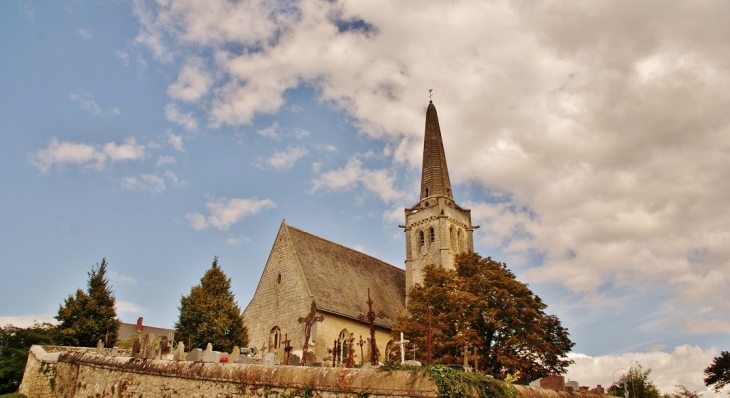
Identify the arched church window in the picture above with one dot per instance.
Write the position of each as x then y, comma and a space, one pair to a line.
275, 337
432, 234
460, 237
426, 192
421, 238
343, 346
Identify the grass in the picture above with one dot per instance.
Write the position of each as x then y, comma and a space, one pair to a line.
12, 395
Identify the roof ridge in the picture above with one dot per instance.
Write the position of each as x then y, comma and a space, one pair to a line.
343, 246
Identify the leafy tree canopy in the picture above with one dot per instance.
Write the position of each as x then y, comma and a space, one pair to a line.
681, 391
210, 314
637, 383
480, 304
88, 316
14, 345
718, 374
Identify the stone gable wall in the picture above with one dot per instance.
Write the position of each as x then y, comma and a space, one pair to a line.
278, 303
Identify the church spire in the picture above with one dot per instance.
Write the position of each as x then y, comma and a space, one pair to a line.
434, 175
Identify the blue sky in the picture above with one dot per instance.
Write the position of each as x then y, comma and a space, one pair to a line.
590, 142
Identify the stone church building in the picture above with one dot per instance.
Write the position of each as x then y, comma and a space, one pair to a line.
303, 268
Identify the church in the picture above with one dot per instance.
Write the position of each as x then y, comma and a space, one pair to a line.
316, 290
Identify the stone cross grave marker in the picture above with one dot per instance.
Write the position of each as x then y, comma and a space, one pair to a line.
402, 344
370, 317
308, 321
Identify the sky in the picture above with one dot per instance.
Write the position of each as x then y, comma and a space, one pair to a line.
588, 138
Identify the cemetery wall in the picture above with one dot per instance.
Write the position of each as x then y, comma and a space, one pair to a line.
88, 374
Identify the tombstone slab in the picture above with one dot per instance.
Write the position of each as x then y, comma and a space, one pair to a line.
100, 347
179, 354
212, 356
246, 360
269, 359
410, 362
233, 356
294, 360
137, 348
150, 347
195, 355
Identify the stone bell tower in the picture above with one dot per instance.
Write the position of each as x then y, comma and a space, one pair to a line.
437, 229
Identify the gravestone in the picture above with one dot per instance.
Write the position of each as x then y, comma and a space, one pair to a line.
233, 356
211, 356
150, 347
114, 352
270, 358
100, 347
137, 348
294, 359
195, 355
246, 360
164, 346
179, 354
411, 362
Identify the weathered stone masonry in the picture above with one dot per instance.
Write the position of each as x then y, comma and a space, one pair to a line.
87, 374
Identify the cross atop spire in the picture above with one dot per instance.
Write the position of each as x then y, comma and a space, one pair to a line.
434, 175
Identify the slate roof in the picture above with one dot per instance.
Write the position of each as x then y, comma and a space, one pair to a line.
434, 174
338, 277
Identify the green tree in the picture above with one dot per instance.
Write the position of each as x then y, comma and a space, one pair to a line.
210, 314
480, 304
681, 391
14, 345
718, 374
88, 316
637, 382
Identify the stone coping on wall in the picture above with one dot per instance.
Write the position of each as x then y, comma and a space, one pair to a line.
334, 380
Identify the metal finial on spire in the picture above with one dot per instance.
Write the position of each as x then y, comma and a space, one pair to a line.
430, 94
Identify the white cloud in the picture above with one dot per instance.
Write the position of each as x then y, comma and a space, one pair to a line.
145, 182
603, 139
380, 182
184, 119
163, 160
27, 320
226, 212
270, 132
87, 103
237, 240
174, 180
684, 365
192, 83
175, 141
85, 33
86, 155
115, 276
123, 56
152, 183
126, 307
284, 160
